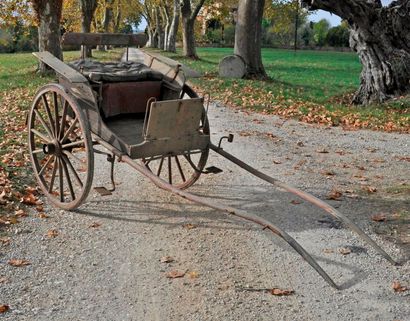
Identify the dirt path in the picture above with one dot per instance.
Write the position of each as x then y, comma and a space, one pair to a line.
112, 271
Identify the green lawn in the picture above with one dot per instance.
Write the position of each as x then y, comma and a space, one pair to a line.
313, 86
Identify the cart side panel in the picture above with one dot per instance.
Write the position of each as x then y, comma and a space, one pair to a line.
60, 67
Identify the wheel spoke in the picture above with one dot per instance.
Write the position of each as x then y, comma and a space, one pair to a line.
42, 121
40, 173
70, 165
69, 130
38, 151
160, 166
180, 169
47, 107
63, 120
68, 153
53, 175
42, 136
67, 176
74, 144
169, 170
61, 180
57, 125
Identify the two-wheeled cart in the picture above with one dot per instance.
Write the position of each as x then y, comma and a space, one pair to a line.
143, 114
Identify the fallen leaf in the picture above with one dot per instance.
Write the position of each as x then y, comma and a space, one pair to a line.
280, 292
29, 199
2, 196
43, 215
175, 274
52, 233
189, 226
95, 225
379, 217
300, 144
4, 308
328, 173
344, 251
40, 208
295, 202
5, 240
397, 287
20, 213
322, 151
370, 189
193, 275
18, 262
335, 195
167, 259
244, 134
3, 280
328, 251
277, 162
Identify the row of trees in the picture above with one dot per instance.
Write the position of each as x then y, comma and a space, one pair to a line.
379, 34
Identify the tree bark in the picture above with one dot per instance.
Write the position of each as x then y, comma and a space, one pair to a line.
173, 30
248, 35
88, 8
188, 27
48, 14
381, 37
159, 28
165, 17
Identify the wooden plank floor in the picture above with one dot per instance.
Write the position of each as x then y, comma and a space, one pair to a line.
127, 127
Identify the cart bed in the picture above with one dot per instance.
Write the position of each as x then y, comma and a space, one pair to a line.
127, 127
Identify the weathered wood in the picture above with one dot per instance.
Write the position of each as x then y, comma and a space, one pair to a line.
95, 39
60, 67
232, 66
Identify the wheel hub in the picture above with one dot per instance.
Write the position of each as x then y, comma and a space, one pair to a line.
53, 148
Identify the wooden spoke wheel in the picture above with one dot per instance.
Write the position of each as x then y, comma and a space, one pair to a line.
181, 171
60, 147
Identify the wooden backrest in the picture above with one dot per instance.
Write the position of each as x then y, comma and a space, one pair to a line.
95, 39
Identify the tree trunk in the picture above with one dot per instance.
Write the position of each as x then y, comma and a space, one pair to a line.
108, 14
188, 38
173, 30
88, 8
48, 14
248, 34
159, 30
165, 18
381, 37
188, 27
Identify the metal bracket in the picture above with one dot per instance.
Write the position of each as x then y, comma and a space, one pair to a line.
229, 138
110, 158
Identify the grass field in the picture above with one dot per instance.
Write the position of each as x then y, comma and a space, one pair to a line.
312, 86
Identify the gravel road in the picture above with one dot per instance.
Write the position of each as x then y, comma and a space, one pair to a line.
105, 262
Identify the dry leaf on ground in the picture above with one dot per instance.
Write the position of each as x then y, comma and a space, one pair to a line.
4, 308
167, 259
295, 202
397, 287
370, 189
52, 233
5, 240
328, 251
335, 195
43, 215
95, 225
280, 292
345, 251
322, 151
189, 226
193, 274
379, 217
18, 262
29, 199
175, 274
20, 213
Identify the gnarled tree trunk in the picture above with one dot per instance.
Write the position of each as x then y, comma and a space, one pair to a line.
188, 26
88, 8
381, 37
248, 35
48, 14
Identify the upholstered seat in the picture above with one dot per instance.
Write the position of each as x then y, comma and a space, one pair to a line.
115, 71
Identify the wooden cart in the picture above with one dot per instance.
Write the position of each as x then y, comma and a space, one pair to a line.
143, 114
